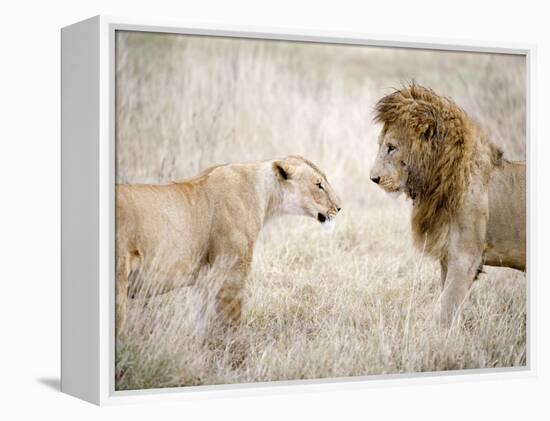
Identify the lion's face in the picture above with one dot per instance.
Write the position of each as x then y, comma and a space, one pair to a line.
390, 168
305, 190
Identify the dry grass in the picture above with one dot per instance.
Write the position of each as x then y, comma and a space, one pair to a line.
356, 302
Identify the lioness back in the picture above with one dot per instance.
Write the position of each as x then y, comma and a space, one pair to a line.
152, 220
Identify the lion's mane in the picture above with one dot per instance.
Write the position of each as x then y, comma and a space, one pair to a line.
446, 148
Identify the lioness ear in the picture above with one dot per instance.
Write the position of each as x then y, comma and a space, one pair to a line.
283, 169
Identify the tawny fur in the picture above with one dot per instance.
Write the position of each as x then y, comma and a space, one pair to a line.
468, 201
216, 217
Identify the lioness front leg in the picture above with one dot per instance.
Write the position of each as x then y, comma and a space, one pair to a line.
121, 297
229, 297
443, 273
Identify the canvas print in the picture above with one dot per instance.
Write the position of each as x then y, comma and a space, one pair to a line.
299, 210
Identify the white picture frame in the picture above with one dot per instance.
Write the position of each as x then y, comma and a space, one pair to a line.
88, 179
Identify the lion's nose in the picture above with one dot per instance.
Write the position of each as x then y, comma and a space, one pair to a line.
338, 209
375, 179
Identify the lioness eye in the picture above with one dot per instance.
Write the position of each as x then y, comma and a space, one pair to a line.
391, 148
320, 186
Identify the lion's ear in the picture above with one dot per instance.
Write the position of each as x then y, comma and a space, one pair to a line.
425, 120
283, 169
429, 131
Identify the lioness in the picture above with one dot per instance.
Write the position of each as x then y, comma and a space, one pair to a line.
468, 201
217, 216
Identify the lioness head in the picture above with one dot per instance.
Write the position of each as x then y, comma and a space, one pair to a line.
305, 190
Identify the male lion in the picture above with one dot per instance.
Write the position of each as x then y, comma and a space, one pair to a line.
212, 218
468, 201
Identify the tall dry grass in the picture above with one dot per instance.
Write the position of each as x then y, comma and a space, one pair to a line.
353, 303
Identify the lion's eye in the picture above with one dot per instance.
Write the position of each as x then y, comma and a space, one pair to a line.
320, 186
391, 148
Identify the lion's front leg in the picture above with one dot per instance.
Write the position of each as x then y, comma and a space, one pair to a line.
463, 259
461, 273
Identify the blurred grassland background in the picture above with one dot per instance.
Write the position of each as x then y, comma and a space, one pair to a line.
353, 303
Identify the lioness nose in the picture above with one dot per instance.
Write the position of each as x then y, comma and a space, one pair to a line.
375, 179
338, 209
